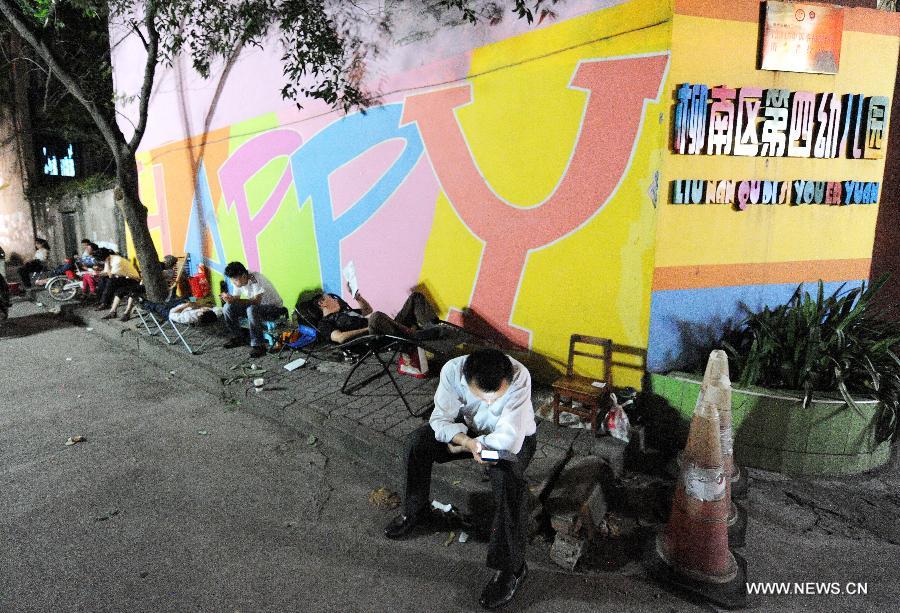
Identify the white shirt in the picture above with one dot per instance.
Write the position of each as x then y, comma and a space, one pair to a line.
501, 425
259, 285
41, 254
187, 313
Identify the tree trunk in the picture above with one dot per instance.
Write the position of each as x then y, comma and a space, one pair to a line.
135, 213
22, 111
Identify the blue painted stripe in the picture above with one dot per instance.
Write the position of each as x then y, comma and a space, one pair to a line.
685, 318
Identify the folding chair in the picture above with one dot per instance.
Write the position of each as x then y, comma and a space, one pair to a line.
155, 319
188, 333
155, 316
359, 351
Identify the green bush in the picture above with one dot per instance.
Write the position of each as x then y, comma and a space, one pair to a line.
840, 343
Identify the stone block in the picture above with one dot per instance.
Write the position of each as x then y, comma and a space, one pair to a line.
566, 550
595, 507
565, 523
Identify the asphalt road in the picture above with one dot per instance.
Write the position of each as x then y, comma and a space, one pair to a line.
177, 503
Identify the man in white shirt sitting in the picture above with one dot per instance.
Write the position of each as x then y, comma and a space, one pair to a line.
483, 403
256, 300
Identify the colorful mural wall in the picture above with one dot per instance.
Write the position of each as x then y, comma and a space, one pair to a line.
820, 134
528, 183
520, 196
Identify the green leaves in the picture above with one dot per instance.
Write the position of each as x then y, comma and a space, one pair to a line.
815, 343
474, 11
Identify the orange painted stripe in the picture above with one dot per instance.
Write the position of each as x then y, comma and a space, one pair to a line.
725, 275
734, 10
869, 21
872, 22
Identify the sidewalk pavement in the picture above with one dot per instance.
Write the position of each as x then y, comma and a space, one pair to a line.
370, 424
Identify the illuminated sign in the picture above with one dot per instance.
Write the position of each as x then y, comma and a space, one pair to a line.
800, 37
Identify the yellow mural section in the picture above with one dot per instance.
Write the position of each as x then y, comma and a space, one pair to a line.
717, 234
521, 128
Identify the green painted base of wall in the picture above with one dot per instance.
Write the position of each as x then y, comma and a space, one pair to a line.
774, 432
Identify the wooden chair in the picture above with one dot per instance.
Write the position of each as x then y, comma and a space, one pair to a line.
579, 389
181, 271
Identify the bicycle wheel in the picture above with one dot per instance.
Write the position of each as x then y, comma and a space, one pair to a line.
62, 288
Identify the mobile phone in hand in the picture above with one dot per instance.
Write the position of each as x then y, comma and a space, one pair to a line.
489, 455
492, 455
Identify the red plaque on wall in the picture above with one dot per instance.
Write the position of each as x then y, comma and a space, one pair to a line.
802, 37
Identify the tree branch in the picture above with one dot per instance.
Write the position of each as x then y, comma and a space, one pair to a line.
10, 60
47, 88
110, 132
152, 44
137, 30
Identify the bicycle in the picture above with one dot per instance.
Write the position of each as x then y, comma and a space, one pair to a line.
62, 289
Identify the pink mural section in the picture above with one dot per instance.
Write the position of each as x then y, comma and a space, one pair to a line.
389, 249
600, 158
243, 164
351, 181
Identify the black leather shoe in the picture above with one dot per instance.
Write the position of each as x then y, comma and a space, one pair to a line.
233, 342
402, 525
502, 587
257, 352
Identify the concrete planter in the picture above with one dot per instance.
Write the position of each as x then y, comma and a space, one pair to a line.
774, 432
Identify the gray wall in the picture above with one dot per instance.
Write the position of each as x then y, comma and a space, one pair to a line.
96, 218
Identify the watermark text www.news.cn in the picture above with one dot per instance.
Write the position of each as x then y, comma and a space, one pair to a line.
808, 588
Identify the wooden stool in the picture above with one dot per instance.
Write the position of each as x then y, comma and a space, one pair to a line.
577, 388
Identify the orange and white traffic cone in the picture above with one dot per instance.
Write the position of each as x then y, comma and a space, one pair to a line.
719, 395
716, 371
692, 551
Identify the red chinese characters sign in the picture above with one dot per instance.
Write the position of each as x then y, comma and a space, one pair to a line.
801, 37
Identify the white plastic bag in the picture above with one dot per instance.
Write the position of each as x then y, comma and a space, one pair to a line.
616, 422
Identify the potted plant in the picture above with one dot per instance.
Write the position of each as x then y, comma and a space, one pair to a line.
816, 383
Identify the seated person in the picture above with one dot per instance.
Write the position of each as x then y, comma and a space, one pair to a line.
38, 264
67, 268
167, 272
87, 259
255, 299
194, 313
483, 403
341, 323
122, 280
91, 283
168, 268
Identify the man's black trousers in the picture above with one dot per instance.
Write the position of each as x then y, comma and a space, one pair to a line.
509, 531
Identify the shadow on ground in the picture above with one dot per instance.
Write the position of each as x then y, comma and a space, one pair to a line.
37, 323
